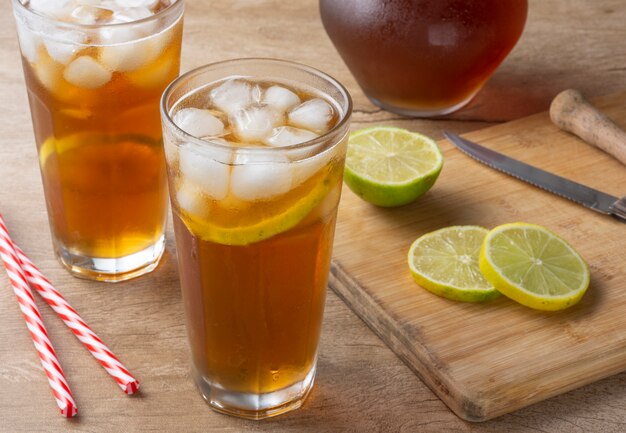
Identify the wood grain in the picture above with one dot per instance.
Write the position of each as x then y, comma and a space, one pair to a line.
484, 360
362, 386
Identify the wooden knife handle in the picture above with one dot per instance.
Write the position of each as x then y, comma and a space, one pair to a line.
571, 112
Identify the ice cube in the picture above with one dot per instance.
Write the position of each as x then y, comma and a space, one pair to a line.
127, 57
149, 4
48, 73
198, 122
280, 98
88, 15
29, 43
327, 207
314, 114
260, 180
288, 136
112, 35
126, 50
61, 52
52, 8
307, 167
128, 15
87, 73
156, 74
206, 168
62, 45
257, 94
160, 41
131, 15
255, 123
190, 199
231, 96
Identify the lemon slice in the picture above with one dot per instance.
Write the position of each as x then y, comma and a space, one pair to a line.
63, 145
51, 146
445, 262
259, 224
533, 266
389, 166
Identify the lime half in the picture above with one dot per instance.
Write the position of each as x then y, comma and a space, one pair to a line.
533, 266
445, 262
390, 166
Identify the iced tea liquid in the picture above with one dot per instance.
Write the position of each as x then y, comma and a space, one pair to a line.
95, 108
254, 218
255, 311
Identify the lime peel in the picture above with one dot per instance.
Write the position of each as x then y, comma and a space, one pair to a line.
261, 230
533, 261
389, 166
452, 251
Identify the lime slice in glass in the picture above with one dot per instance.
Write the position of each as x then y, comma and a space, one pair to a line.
243, 223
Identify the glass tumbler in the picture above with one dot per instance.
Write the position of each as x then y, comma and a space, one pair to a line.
254, 229
94, 86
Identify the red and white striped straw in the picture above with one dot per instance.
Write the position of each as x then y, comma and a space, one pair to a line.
38, 333
83, 332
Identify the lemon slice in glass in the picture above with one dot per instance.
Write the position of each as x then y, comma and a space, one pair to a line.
533, 266
445, 262
243, 223
389, 166
60, 146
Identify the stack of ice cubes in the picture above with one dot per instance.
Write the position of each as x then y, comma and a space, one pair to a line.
90, 12
124, 48
239, 114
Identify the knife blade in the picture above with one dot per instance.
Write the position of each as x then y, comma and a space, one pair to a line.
581, 194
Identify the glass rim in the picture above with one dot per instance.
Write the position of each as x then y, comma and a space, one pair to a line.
176, 6
345, 116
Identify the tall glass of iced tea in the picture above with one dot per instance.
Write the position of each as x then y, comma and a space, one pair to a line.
255, 151
423, 57
95, 71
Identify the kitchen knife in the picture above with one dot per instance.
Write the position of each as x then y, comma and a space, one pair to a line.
588, 197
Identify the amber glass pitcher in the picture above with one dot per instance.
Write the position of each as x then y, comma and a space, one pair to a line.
423, 57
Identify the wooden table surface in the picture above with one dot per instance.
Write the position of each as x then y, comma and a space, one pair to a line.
361, 385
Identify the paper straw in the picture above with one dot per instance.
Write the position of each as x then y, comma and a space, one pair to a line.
34, 323
83, 332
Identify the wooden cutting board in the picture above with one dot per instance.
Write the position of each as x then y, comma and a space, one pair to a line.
484, 360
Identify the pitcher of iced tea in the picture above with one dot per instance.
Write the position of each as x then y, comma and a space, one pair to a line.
423, 57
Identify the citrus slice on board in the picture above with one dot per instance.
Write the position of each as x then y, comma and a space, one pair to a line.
445, 262
533, 266
390, 166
